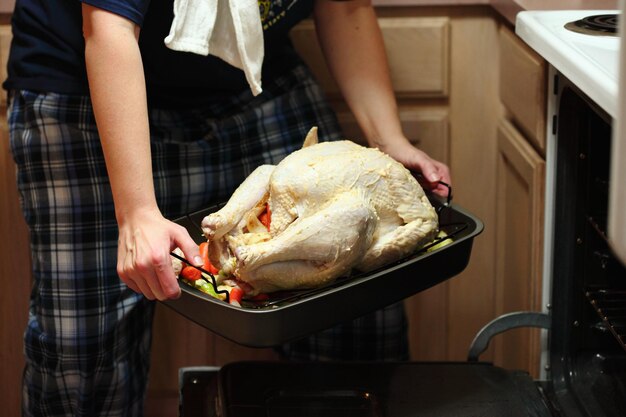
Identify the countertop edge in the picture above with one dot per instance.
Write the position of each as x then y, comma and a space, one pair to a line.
507, 9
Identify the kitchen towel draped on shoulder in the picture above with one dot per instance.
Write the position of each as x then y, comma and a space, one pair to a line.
228, 29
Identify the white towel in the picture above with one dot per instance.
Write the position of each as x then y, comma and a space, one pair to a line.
228, 29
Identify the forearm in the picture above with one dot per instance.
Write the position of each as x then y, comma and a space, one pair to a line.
350, 38
352, 44
118, 97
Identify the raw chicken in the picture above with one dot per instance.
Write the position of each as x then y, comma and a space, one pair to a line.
334, 206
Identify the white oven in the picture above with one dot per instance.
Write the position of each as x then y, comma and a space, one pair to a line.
617, 207
582, 48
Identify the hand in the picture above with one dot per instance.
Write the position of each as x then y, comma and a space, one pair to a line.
143, 257
416, 160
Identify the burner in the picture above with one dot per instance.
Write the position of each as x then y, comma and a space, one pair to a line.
600, 25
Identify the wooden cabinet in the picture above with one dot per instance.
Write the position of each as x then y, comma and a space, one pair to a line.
520, 199
426, 128
15, 277
415, 45
418, 50
444, 70
6, 6
523, 87
518, 256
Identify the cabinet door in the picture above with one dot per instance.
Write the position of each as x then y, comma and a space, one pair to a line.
425, 127
427, 312
15, 275
523, 86
519, 245
414, 45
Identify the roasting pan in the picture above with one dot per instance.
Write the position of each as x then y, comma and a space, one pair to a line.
286, 316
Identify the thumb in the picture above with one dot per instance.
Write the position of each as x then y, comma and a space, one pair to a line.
188, 246
430, 172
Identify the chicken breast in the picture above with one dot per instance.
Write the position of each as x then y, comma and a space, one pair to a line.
334, 206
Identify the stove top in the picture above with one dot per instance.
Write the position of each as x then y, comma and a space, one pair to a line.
563, 39
596, 25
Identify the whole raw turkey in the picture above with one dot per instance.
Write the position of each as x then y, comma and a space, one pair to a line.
334, 206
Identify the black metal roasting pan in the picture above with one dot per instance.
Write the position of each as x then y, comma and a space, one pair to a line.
290, 315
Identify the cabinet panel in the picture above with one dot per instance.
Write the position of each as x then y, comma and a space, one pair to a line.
519, 243
417, 49
427, 129
5, 44
6, 6
475, 110
15, 282
523, 87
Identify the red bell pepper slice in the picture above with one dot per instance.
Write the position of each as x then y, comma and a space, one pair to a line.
266, 217
236, 294
206, 263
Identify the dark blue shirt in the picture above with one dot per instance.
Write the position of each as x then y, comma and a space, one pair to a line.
47, 50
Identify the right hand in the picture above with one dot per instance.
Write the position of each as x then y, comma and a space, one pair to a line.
143, 258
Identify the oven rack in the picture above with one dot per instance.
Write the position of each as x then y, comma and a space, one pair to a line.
611, 307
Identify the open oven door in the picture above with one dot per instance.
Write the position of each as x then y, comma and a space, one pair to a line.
353, 389
617, 194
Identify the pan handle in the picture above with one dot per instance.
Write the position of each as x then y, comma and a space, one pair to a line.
447, 199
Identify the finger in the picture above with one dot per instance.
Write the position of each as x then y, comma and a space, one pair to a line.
426, 185
131, 284
147, 266
187, 245
144, 288
167, 282
133, 278
430, 172
444, 172
441, 191
139, 287
163, 276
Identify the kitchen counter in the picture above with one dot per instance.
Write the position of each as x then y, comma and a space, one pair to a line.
508, 4
509, 8
590, 62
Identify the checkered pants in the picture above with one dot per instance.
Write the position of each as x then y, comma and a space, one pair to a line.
88, 336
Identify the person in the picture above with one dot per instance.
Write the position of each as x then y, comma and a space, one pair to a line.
114, 135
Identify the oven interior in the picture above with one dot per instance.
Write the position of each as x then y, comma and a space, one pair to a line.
588, 333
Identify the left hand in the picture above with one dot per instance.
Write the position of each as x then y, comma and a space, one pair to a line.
417, 160
362, 75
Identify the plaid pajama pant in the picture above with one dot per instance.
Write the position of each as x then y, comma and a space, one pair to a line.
88, 336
